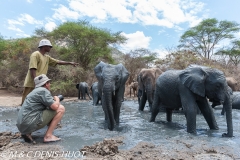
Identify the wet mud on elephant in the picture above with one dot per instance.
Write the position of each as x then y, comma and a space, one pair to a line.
232, 83
111, 85
190, 89
146, 84
133, 88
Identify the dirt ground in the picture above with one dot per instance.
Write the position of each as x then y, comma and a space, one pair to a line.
107, 149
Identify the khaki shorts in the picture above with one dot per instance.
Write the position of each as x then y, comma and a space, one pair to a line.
47, 116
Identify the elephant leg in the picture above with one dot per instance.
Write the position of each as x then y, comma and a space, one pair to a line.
139, 96
191, 116
143, 101
117, 102
79, 92
223, 111
95, 99
109, 117
89, 95
104, 109
169, 115
208, 113
155, 108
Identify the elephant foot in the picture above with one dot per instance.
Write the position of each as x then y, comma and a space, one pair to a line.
227, 135
192, 132
152, 119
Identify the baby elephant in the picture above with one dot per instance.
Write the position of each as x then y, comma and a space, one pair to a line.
95, 94
235, 98
83, 90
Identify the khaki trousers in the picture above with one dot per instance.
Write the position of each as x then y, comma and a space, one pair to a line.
26, 91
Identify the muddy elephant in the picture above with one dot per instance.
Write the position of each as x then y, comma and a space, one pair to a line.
146, 84
232, 83
190, 89
95, 94
134, 88
83, 89
111, 85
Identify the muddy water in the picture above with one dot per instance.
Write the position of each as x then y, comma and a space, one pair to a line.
83, 124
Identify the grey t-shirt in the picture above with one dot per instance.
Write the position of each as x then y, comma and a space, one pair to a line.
30, 114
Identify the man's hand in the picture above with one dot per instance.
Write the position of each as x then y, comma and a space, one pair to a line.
74, 64
56, 104
56, 98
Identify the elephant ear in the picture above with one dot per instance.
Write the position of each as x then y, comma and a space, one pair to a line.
124, 73
194, 79
98, 70
157, 73
139, 80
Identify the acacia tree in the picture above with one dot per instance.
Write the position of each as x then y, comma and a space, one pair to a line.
233, 52
178, 60
137, 59
2, 47
203, 38
85, 44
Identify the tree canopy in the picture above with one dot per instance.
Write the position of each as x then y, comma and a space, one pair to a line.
137, 59
84, 43
203, 38
233, 52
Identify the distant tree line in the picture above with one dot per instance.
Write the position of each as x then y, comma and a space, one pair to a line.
87, 45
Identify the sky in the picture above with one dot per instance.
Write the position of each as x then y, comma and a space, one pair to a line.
156, 25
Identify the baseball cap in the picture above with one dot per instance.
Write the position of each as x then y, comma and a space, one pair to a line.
41, 80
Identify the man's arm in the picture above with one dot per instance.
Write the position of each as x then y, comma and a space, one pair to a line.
33, 72
67, 63
56, 104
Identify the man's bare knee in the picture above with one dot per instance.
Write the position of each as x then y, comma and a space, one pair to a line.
61, 108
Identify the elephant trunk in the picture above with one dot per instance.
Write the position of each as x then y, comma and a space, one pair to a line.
149, 91
227, 105
107, 104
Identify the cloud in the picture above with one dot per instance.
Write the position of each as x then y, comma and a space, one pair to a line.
161, 53
14, 28
168, 13
135, 40
50, 26
103, 10
22, 21
63, 13
29, 1
29, 19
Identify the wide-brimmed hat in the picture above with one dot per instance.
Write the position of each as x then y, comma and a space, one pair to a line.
41, 80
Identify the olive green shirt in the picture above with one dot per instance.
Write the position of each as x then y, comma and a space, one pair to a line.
31, 113
40, 63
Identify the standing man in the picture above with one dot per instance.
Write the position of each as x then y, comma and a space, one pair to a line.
39, 109
39, 62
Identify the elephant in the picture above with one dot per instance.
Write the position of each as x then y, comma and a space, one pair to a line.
134, 88
232, 83
111, 85
83, 89
95, 94
190, 88
146, 84
235, 98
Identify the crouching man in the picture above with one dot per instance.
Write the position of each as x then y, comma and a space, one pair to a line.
39, 109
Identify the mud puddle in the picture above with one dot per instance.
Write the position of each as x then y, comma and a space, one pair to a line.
83, 125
